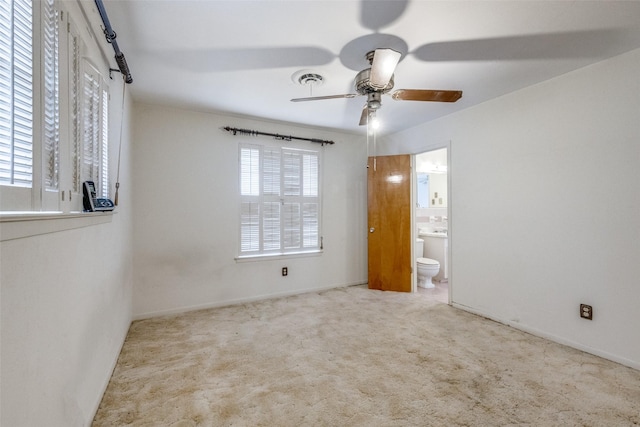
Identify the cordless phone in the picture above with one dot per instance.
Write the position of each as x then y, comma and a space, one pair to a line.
91, 203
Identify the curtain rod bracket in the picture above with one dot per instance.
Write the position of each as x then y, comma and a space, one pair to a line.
110, 35
111, 70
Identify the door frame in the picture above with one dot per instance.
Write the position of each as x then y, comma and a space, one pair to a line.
414, 198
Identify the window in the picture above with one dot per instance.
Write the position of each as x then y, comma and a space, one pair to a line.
16, 93
53, 108
279, 200
95, 138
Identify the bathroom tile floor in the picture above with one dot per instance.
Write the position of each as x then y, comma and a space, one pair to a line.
440, 293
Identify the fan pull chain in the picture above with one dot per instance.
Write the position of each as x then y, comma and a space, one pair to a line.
367, 141
374, 151
371, 134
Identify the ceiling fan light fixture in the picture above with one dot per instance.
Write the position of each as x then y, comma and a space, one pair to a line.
383, 64
372, 122
375, 123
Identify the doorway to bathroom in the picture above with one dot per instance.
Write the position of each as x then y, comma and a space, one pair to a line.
431, 221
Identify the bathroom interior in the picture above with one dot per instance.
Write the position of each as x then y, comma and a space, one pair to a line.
431, 222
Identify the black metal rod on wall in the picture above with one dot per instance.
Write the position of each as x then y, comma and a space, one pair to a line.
235, 131
111, 38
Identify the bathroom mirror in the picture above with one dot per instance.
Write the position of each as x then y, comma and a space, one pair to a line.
431, 184
423, 190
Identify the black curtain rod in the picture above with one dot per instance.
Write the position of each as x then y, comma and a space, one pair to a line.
236, 131
110, 35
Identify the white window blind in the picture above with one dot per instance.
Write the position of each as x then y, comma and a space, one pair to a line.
91, 123
104, 146
51, 98
75, 108
280, 200
16, 93
95, 137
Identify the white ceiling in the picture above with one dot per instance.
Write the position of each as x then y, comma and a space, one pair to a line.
238, 57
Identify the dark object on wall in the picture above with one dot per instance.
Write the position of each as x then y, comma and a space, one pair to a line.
111, 38
236, 131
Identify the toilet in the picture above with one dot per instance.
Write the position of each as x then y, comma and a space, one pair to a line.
426, 267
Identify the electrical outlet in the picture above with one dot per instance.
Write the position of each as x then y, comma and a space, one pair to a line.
285, 271
586, 311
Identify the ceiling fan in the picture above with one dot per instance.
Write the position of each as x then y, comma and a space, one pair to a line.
378, 80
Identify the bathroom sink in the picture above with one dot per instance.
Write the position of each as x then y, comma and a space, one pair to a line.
429, 230
440, 234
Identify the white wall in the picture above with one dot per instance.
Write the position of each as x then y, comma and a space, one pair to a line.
186, 227
65, 311
546, 204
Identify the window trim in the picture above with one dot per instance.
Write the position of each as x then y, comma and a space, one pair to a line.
277, 257
19, 225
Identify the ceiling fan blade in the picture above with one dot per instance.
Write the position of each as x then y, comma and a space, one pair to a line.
382, 67
318, 98
364, 117
560, 45
427, 95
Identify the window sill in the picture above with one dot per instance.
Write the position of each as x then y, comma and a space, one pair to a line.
18, 225
276, 257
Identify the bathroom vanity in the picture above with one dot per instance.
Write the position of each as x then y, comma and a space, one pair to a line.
436, 246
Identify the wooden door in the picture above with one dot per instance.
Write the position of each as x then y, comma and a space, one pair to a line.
389, 214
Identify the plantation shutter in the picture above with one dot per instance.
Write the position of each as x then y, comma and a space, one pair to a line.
250, 202
301, 219
75, 104
51, 87
16, 93
271, 204
280, 200
90, 125
310, 207
292, 187
104, 146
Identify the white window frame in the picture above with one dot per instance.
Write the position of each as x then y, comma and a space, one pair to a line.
260, 194
58, 59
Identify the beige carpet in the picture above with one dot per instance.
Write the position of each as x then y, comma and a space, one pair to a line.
355, 357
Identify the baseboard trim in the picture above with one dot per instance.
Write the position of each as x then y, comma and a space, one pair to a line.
106, 381
551, 337
237, 301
